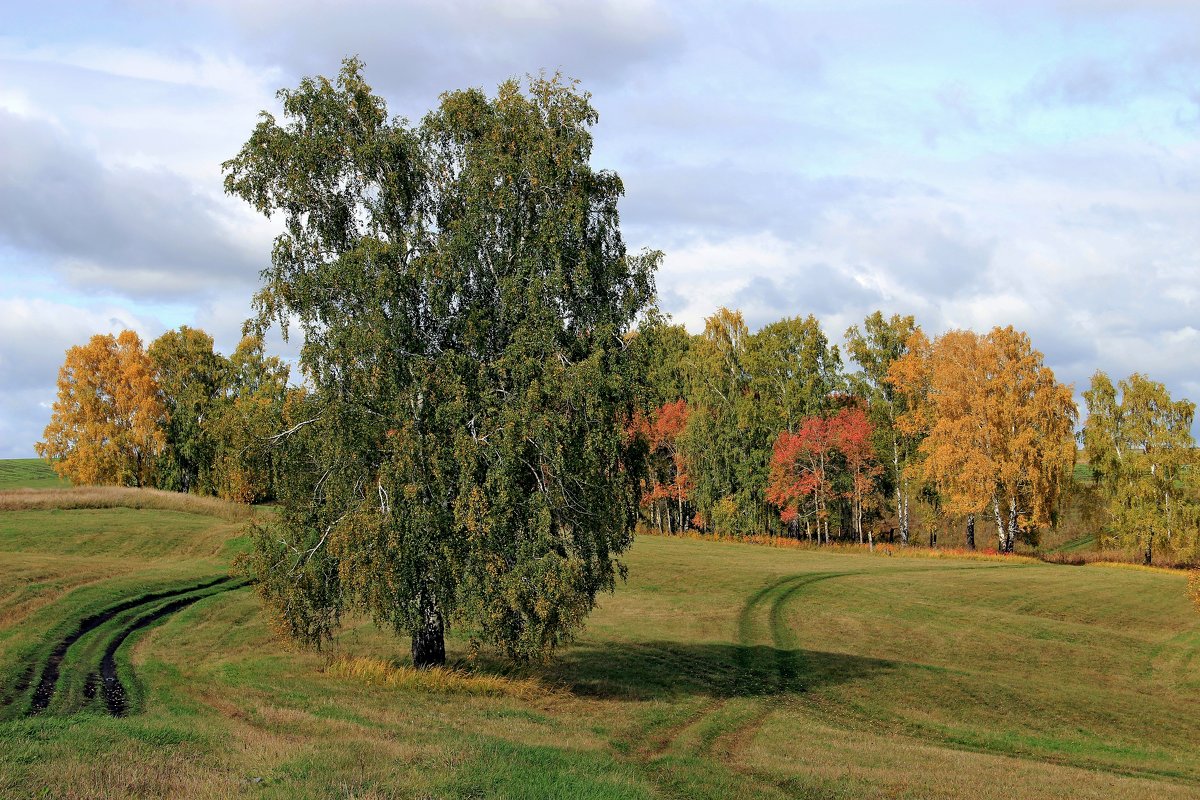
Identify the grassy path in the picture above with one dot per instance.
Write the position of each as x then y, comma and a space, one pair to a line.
82, 666
713, 732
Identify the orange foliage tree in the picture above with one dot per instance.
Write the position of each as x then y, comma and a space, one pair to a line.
106, 424
998, 425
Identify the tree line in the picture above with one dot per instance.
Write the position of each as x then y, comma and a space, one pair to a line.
772, 432
741, 433
177, 415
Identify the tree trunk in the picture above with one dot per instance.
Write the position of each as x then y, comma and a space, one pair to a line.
999, 524
901, 496
1012, 525
429, 640
858, 515
1148, 555
970, 531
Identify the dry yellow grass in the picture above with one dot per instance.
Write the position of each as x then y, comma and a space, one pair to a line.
120, 497
445, 680
1140, 567
1118, 559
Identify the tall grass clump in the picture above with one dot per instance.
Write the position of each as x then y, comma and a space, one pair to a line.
439, 680
1115, 557
878, 549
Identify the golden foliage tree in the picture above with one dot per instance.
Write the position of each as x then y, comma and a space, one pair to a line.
106, 425
999, 426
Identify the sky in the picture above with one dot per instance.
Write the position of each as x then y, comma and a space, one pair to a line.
973, 164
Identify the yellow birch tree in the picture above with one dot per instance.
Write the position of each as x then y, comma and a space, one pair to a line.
106, 424
999, 426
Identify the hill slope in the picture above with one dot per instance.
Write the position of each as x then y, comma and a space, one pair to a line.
31, 473
720, 670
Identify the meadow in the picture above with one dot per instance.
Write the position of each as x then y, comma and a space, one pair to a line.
30, 473
718, 670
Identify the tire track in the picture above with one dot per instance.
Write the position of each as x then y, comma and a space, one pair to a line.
788, 661
50, 672
760, 674
710, 736
115, 694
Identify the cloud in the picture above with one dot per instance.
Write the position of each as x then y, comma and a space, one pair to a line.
1086, 82
1090, 247
417, 49
1167, 70
35, 334
719, 199
24, 414
141, 232
765, 276
1018, 163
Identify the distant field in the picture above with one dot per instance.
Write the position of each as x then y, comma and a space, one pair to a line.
32, 473
719, 670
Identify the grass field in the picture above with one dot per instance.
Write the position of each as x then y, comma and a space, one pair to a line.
720, 670
32, 473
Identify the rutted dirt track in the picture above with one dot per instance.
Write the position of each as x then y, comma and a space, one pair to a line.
128, 617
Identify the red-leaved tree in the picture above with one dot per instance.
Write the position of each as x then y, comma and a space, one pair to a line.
665, 490
853, 438
826, 459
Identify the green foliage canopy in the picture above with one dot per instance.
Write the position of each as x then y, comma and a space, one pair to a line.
464, 293
190, 376
1143, 457
880, 343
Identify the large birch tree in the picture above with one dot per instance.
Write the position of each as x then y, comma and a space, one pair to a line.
464, 292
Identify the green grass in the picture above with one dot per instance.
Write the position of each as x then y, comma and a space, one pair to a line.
720, 670
1083, 543
29, 473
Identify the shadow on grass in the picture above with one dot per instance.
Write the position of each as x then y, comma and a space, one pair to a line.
662, 670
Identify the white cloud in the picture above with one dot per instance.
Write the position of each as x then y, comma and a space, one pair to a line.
138, 232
